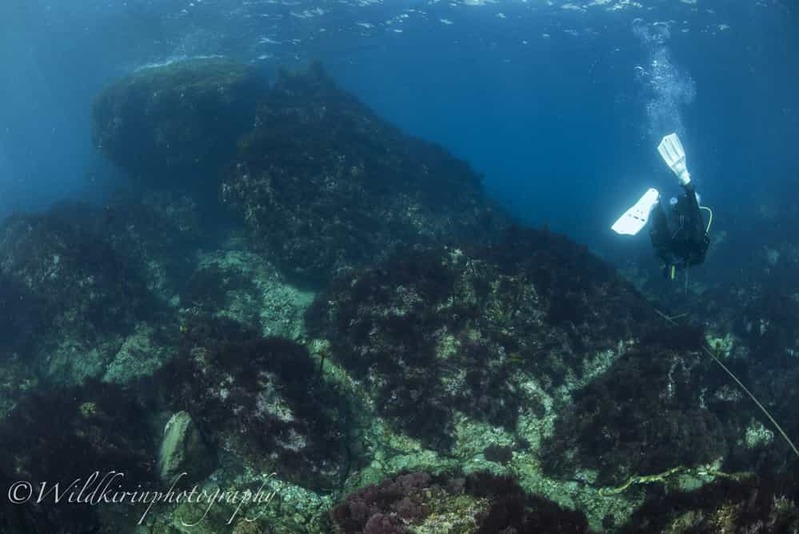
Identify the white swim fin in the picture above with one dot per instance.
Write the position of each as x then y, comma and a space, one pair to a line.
637, 216
673, 154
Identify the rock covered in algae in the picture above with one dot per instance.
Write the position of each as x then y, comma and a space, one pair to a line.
177, 124
260, 400
652, 410
87, 439
184, 452
324, 183
63, 261
83, 287
447, 331
477, 503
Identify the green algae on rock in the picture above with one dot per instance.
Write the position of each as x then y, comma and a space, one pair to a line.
325, 184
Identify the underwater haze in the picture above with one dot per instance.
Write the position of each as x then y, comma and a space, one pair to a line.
396, 266
558, 104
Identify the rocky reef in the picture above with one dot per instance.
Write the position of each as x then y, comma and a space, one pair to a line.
448, 331
91, 286
323, 325
325, 184
646, 414
480, 503
56, 444
176, 125
748, 305
758, 505
321, 181
261, 400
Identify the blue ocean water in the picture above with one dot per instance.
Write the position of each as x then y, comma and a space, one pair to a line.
558, 104
529, 355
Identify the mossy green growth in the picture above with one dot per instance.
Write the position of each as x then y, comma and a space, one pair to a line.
191, 76
15, 379
758, 435
722, 346
140, 355
253, 293
72, 361
452, 513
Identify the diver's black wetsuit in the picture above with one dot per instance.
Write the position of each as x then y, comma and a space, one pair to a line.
681, 239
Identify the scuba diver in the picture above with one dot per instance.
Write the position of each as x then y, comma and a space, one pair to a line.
679, 234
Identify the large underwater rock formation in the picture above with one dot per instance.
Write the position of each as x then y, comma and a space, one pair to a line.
647, 414
176, 125
451, 375
451, 330
322, 182
72, 270
325, 184
490, 332
84, 285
